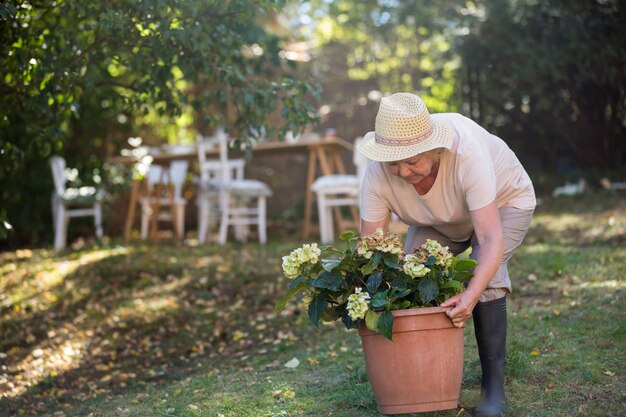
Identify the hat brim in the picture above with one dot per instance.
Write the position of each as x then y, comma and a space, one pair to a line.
442, 136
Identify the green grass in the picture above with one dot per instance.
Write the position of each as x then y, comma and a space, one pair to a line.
150, 330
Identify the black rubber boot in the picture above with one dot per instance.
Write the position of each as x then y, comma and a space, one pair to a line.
490, 330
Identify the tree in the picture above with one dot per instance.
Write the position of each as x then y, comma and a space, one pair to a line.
80, 71
549, 76
365, 49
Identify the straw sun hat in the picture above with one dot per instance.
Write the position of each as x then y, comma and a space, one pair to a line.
404, 129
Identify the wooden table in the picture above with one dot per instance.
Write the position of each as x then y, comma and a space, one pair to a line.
324, 153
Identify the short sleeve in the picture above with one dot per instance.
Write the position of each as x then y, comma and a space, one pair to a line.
478, 178
372, 206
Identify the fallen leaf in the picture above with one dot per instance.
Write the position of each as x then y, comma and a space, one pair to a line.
281, 394
238, 335
313, 361
294, 363
609, 373
535, 352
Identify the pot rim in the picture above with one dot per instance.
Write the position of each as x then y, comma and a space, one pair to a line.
417, 311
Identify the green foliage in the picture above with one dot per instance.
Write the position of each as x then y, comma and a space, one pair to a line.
551, 71
370, 279
75, 75
368, 48
546, 76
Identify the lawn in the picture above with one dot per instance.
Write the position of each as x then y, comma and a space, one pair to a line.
159, 330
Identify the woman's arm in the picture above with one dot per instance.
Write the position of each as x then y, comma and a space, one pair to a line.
488, 231
367, 228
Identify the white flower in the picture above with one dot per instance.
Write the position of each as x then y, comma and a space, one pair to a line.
364, 251
293, 264
290, 268
307, 298
357, 304
414, 268
441, 253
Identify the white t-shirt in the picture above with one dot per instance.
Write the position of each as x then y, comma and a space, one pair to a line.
479, 169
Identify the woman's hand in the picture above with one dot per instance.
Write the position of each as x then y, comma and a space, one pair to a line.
462, 306
488, 231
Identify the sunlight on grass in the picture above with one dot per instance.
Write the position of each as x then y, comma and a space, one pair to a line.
558, 223
604, 284
147, 309
541, 249
67, 267
44, 363
48, 274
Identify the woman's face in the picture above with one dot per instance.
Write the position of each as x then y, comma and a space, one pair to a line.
413, 170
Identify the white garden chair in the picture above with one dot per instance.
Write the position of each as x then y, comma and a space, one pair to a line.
242, 202
164, 200
336, 191
208, 200
71, 202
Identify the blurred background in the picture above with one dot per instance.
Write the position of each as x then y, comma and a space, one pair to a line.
79, 79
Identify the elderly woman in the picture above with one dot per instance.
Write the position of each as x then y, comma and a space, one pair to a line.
452, 181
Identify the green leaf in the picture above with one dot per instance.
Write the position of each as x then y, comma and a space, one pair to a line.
7, 11
380, 299
372, 264
296, 281
385, 323
398, 283
347, 321
391, 261
454, 285
330, 264
330, 314
428, 290
317, 308
347, 235
463, 276
282, 302
371, 320
465, 265
373, 282
397, 293
402, 305
328, 280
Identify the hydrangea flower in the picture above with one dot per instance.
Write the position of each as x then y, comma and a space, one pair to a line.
293, 264
307, 298
442, 255
358, 304
373, 273
414, 267
379, 242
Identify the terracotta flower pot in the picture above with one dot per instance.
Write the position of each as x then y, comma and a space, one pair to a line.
422, 368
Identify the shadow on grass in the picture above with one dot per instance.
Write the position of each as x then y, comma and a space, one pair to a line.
151, 315
129, 320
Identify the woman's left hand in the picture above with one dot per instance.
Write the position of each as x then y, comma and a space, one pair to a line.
462, 306
486, 222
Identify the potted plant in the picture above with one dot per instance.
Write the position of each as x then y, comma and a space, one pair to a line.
393, 299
